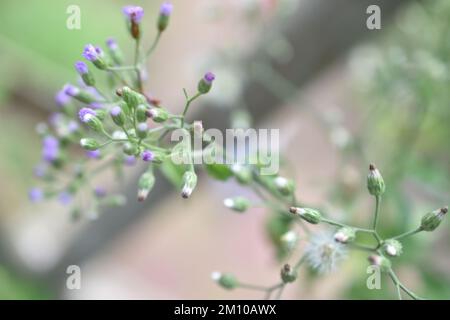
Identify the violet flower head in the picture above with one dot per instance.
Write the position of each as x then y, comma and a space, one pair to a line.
71, 90
85, 114
93, 154
115, 111
35, 195
61, 98
130, 160
65, 198
72, 126
142, 127
112, 44
133, 13
81, 67
166, 9
147, 155
96, 105
92, 53
50, 148
209, 77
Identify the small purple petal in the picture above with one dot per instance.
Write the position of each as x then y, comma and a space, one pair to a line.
142, 126
85, 113
130, 160
100, 192
147, 155
72, 126
134, 13
50, 148
93, 154
65, 198
166, 9
115, 111
209, 77
91, 53
71, 90
112, 44
61, 98
81, 67
96, 105
35, 195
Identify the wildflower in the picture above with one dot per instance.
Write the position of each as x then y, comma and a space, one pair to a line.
164, 16
284, 186
72, 126
433, 219
83, 70
189, 183
145, 185
35, 195
383, 263
89, 144
65, 198
95, 55
114, 51
205, 84
288, 274
130, 160
50, 149
158, 114
141, 113
142, 130
345, 235
238, 204
62, 99
323, 253
132, 98
311, 215
392, 248
117, 116
93, 154
85, 114
147, 155
375, 182
134, 15
71, 90
225, 280
75, 92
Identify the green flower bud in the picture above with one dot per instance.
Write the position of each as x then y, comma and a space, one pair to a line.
288, 274
392, 248
94, 123
130, 149
88, 79
243, 174
158, 114
433, 219
132, 98
117, 116
189, 184
145, 185
141, 113
238, 204
345, 235
310, 215
89, 144
380, 261
289, 240
205, 84
375, 182
142, 130
225, 280
284, 186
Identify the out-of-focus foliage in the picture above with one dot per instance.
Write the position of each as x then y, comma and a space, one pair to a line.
12, 287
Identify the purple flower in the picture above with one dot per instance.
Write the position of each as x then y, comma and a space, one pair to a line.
142, 127
130, 160
40, 170
209, 77
65, 198
96, 105
50, 148
112, 44
92, 53
35, 194
61, 98
134, 13
71, 90
93, 154
100, 192
166, 9
85, 114
72, 126
115, 111
81, 67
147, 155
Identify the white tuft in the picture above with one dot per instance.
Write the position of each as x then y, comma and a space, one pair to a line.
228, 202
323, 253
216, 275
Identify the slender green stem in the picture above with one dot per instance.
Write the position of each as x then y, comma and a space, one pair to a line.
409, 233
398, 283
377, 211
253, 287
333, 223
154, 44
136, 66
186, 107
121, 68
280, 292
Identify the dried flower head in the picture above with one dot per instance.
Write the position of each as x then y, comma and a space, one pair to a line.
323, 253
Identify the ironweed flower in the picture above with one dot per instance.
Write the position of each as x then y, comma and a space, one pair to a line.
323, 253
164, 16
93, 154
375, 182
85, 114
95, 55
62, 99
205, 84
133, 13
433, 219
50, 148
35, 195
147, 155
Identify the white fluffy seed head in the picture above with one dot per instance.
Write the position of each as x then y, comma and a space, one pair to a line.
391, 250
340, 237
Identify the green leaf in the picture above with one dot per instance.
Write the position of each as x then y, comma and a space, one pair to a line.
219, 171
